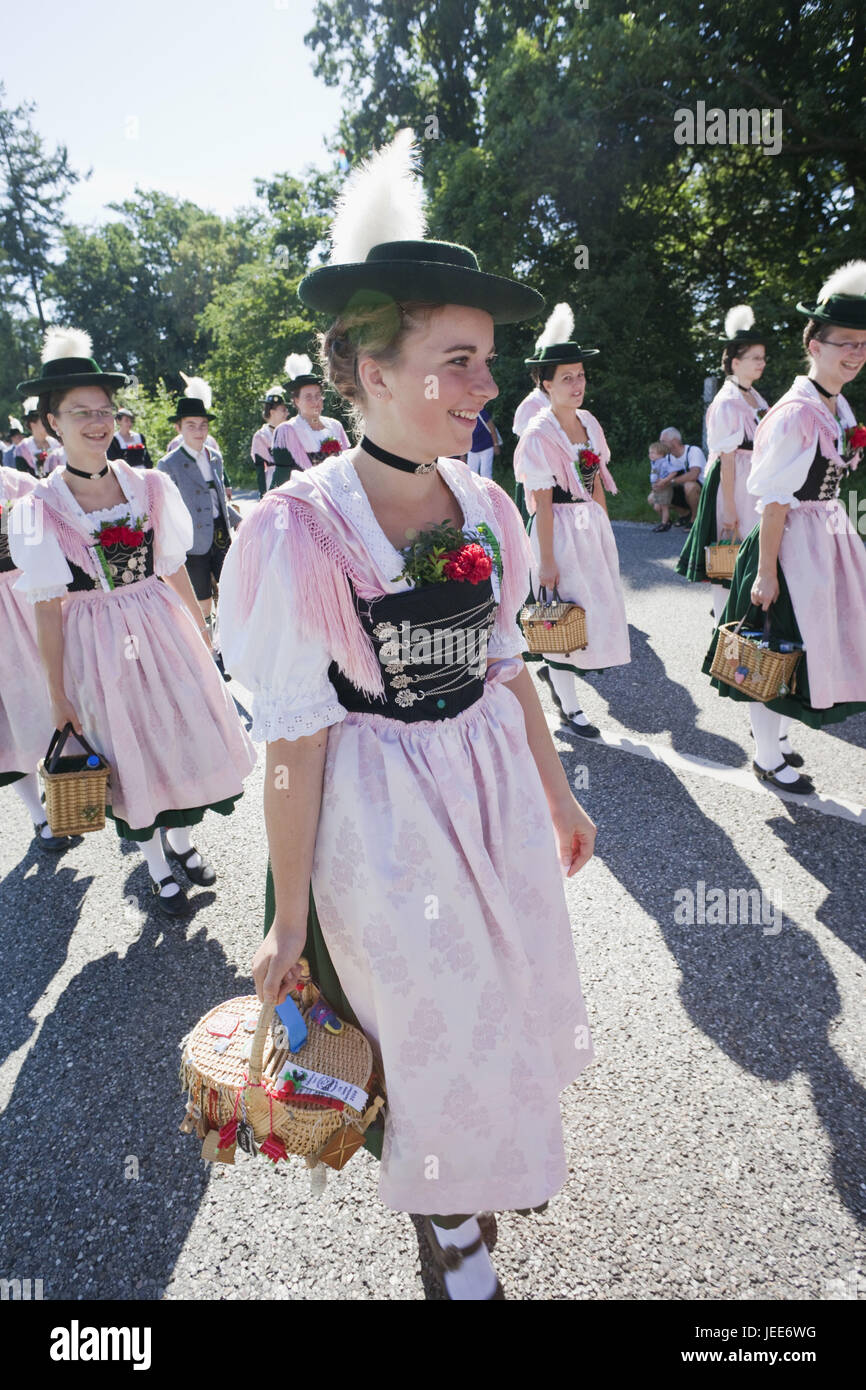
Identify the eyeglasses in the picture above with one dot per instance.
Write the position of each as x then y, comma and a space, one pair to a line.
849, 347
79, 415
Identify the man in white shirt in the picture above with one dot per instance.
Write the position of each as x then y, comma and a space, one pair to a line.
686, 464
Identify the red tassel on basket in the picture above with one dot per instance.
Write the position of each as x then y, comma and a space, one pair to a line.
273, 1148
228, 1134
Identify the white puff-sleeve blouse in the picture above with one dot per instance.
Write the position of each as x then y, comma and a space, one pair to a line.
786, 449
173, 537
261, 646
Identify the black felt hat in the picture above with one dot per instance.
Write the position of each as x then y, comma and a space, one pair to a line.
66, 362
188, 406
561, 352
740, 327
842, 298
305, 379
435, 272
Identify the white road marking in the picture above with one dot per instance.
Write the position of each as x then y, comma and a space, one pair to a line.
720, 772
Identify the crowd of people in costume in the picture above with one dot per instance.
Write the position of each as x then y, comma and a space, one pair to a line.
408, 774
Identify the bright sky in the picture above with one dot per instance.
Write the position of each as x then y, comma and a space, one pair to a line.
194, 99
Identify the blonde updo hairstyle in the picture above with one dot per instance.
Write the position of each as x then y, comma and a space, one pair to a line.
378, 331
815, 331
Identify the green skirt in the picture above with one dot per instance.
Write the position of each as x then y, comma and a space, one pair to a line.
783, 625
190, 815
692, 561
325, 976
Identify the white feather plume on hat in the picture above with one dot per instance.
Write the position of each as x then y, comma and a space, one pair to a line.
30, 405
848, 279
297, 364
15, 424
382, 200
66, 342
558, 329
738, 320
276, 389
198, 389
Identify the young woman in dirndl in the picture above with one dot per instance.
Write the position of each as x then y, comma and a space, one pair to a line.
411, 776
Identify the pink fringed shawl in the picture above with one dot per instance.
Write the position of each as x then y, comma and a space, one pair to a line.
545, 443
328, 558
800, 410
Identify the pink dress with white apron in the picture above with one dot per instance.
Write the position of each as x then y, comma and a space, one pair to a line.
435, 872
584, 548
800, 442
135, 668
731, 423
25, 709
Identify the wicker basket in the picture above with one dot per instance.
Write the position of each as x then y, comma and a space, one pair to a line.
74, 793
226, 1091
554, 626
720, 559
760, 673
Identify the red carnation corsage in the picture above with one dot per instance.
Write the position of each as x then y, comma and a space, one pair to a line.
470, 564
330, 446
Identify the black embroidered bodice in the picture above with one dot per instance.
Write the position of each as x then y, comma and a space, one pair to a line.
560, 495
432, 645
588, 475
127, 565
823, 481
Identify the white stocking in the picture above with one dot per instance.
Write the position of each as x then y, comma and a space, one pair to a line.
476, 1277
157, 863
765, 727
564, 684
28, 789
720, 598
785, 722
178, 838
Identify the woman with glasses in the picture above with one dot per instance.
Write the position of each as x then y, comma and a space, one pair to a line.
125, 651
804, 564
309, 437
561, 459
726, 510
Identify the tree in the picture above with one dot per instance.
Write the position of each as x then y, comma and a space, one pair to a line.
35, 187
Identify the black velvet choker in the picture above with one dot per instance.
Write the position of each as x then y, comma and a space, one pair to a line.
79, 473
829, 395
394, 460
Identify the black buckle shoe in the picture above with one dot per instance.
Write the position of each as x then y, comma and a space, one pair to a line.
584, 730
174, 906
802, 787
204, 874
51, 844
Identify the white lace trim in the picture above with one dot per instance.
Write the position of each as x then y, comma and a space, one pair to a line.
356, 508
42, 595
272, 719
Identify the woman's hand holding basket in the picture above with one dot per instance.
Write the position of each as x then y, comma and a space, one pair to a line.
276, 964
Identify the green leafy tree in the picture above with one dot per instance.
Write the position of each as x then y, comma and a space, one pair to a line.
34, 185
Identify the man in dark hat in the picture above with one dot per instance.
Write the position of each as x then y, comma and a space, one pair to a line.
198, 472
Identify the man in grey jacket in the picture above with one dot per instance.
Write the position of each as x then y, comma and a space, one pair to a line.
198, 472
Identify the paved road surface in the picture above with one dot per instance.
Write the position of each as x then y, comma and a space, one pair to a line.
716, 1146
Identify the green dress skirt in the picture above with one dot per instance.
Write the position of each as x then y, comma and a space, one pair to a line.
783, 626
692, 561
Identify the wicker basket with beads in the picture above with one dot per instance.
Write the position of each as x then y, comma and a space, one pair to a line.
760, 673
233, 1084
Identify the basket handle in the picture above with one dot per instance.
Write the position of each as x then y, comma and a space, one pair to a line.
257, 1048
58, 742
542, 589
